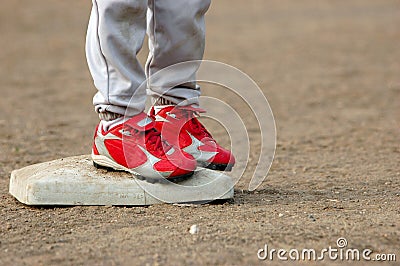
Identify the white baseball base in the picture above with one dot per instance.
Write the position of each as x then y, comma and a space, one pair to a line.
75, 181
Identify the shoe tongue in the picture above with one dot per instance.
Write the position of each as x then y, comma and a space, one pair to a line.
158, 108
141, 122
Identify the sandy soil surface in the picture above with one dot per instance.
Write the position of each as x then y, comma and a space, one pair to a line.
331, 72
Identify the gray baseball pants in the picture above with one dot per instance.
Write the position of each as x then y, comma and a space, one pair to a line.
115, 35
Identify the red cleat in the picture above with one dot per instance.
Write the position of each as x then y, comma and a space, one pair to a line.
136, 147
180, 127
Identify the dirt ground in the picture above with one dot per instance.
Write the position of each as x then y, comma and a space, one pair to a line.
331, 73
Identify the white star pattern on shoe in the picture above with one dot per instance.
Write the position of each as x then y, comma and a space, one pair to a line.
99, 142
199, 155
149, 164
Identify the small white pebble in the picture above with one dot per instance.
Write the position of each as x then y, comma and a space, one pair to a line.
194, 229
280, 215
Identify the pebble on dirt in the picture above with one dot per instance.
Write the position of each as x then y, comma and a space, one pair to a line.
194, 229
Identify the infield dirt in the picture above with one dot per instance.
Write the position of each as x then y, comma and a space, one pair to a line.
331, 73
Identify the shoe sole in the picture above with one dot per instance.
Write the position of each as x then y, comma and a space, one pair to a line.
216, 166
102, 162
